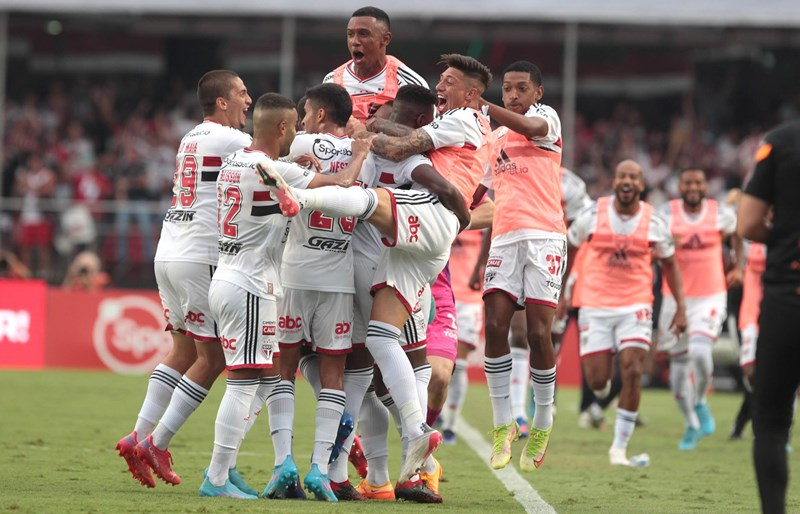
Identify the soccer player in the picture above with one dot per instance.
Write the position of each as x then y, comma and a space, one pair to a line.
527, 255
698, 226
371, 77
275, 123
573, 200
413, 107
469, 317
184, 263
615, 294
419, 227
775, 188
317, 310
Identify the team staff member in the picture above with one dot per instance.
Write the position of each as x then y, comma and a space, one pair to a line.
775, 188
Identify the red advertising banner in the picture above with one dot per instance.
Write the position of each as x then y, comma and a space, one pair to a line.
22, 322
120, 330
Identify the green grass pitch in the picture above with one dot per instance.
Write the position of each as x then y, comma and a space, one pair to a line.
58, 430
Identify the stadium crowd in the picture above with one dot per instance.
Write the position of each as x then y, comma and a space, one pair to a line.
245, 290
95, 146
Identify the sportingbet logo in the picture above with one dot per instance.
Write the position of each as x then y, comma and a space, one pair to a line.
289, 323
128, 334
15, 326
413, 229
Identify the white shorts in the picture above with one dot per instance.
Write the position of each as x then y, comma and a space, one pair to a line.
183, 288
704, 315
420, 249
247, 325
412, 336
322, 320
606, 332
529, 271
469, 319
747, 353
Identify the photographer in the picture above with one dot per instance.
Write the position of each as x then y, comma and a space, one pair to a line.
86, 273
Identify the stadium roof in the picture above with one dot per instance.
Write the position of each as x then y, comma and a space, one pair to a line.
765, 13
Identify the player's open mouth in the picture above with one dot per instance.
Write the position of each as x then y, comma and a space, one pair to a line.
358, 56
440, 102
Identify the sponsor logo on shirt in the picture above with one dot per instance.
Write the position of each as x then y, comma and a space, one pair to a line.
328, 244
619, 259
694, 243
173, 216
504, 164
229, 247
324, 149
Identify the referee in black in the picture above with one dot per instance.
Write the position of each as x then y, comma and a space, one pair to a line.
770, 213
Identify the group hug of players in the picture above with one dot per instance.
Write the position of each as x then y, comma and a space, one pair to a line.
326, 251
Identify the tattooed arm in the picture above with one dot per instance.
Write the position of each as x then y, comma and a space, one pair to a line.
399, 148
387, 127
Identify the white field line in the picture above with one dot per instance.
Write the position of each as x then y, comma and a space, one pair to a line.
523, 491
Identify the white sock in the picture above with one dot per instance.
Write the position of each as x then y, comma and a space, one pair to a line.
229, 427
456, 395
185, 400
520, 376
330, 406
382, 342
623, 428
422, 374
160, 387
280, 406
374, 427
356, 383
265, 387
683, 390
388, 402
544, 394
338, 201
700, 353
309, 367
498, 378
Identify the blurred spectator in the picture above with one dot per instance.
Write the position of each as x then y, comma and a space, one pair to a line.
12, 267
34, 182
86, 273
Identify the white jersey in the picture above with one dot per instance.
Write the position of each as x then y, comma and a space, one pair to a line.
189, 231
658, 233
726, 216
379, 172
574, 198
318, 256
457, 127
377, 83
251, 228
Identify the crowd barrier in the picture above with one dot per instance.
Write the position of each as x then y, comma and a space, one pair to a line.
122, 330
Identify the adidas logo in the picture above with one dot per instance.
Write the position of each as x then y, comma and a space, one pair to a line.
504, 164
694, 243
619, 259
